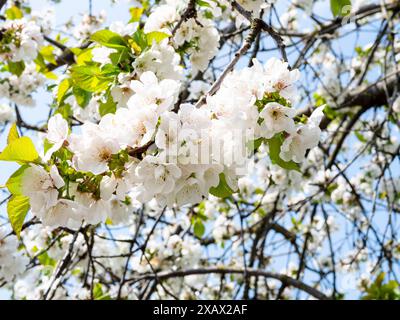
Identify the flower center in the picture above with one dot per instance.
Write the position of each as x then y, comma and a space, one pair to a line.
280, 85
275, 114
105, 155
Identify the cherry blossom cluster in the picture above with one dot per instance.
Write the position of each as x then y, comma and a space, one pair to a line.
6, 114
20, 40
196, 35
12, 261
19, 89
21, 43
89, 24
120, 136
105, 175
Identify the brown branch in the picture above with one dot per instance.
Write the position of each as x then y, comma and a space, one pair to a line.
60, 268
66, 58
138, 152
190, 12
2, 3
374, 95
252, 272
22, 124
347, 130
255, 30
55, 43
337, 23
362, 13
264, 26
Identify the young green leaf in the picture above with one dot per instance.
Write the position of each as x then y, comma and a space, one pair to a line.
82, 56
109, 39
108, 107
82, 97
139, 42
16, 67
337, 7
50, 75
14, 13
47, 53
203, 3
46, 260
17, 208
20, 150
199, 228
136, 13
98, 293
63, 89
12, 134
223, 190
275, 144
14, 183
92, 78
156, 36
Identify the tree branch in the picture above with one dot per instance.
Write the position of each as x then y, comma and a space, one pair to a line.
252, 272
374, 95
2, 3
264, 26
255, 30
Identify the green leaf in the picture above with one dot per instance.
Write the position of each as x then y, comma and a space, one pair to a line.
92, 78
119, 56
17, 208
20, 150
139, 42
14, 183
12, 134
47, 53
109, 39
253, 145
16, 67
360, 136
50, 75
156, 36
203, 3
108, 107
82, 96
83, 56
275, 144
45, 260
14, 13
47, 145
222, 190
379, 290
63, 89
98, 293
65, 110
41, 63
136, 13
330, 113
337, 7
199, 228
